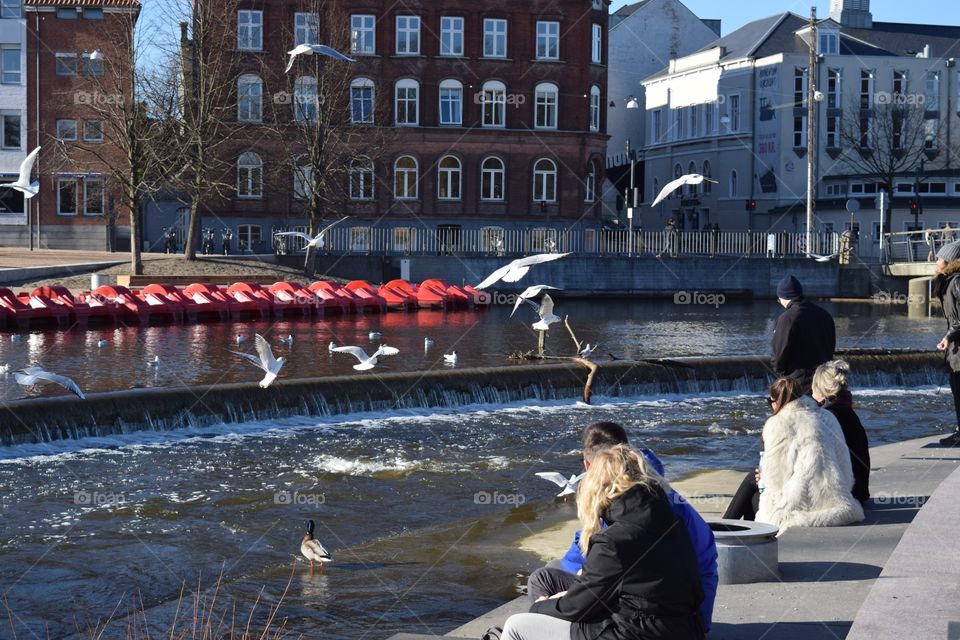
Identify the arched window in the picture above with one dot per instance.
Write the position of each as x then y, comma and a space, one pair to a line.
546, 104
451, 102
407, 102
734, 187
361, 179
250, 98
493, 98
595, 108
406, 178
590, 184
492, 173
361, 101
305, 99
691, 189
249, 176
448, 186
545, 181
707, 186
677, 170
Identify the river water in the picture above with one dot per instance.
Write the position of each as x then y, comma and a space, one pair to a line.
421, 509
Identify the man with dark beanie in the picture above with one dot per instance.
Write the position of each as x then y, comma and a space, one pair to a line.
805, 336
946, 286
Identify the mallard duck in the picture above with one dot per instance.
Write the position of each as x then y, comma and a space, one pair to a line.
312, 550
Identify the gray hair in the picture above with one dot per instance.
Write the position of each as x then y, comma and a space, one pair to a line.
831, 378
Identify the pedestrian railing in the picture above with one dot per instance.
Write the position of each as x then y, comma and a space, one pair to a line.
499, 242
918, 246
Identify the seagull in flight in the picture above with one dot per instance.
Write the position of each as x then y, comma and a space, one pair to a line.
317, 241
367, 362
530, 292
519, 268
568, 486
31, 376
23, 184
690, 179
315, 49
547, 316
817, 258
264, 360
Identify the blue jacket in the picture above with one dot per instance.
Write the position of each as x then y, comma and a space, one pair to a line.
704, 544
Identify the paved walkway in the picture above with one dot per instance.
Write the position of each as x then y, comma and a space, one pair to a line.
828, 573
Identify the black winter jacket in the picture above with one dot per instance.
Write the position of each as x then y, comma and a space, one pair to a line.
856, 436
946, 286
805, 337
640, 580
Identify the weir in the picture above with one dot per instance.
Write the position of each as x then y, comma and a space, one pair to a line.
38, 420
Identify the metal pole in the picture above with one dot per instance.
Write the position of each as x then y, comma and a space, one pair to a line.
630, 203
811, 129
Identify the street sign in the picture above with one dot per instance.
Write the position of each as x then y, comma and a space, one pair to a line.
853, 205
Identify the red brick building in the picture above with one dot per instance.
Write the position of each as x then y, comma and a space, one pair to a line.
73, 47
496, 113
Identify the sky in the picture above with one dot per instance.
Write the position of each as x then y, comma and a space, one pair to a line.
736, 13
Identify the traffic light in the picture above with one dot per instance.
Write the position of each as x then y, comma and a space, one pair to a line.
543, 206
915, 208
751, 205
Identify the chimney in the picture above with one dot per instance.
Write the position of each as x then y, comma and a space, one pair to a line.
183, 32
852, 13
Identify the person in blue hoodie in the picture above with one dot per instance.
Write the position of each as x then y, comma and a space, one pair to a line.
558, 575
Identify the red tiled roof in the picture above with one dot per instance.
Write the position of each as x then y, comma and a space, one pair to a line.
83, 3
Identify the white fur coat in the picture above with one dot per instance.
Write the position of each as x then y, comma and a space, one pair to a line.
806, 472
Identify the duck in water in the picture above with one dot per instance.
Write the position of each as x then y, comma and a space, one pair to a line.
312, 550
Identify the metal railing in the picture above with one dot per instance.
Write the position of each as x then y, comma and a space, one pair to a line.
499, 242
918, 246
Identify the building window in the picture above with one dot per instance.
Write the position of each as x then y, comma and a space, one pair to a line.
250, 30
492, 173
249, 98
91, 13
451, 102
361, 179
10, 9
302, 181
408, 35
67, 196
866, 89
548, 40
595, 103
709, 122
305, 99
11, 131
249, 176
931, 134
67, 14
93, 197
66, 64
545, 181
494, 102
91, 67
596, 49
932, 91
734, 184
707, 173
247, 235
451, 36
306, 28
733, 112
900, 83
656, 125
67, 130
363, 35
829, 44
450, 179
93, 131
11, 64
361, 101
547, 98
407, 102
834, 87
406, 178
691, 189
799, 100
590, 186
494, 38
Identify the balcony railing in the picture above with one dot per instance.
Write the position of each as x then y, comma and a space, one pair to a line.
918, 246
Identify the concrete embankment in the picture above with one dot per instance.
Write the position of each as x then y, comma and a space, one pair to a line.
45, 419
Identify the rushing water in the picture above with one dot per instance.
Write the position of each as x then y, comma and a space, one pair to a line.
198, 354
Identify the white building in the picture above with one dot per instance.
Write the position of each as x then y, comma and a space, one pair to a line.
644, 36
737, 111
13, 107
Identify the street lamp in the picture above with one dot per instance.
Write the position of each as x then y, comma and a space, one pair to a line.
812, 95
630, 200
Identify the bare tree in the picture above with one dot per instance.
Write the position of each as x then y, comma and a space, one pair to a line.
887, 141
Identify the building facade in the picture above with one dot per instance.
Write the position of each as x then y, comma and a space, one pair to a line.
493, 115
737, 112
13, 117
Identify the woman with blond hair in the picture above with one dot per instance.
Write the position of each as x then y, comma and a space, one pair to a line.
640, 580
831, 389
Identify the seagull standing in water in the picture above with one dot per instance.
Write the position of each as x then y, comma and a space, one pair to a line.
568, 486
519, 268
670, 187
450, 358
31, 376
588, 350
367, 362
315, 49
264, 360
23, 184
312, 550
